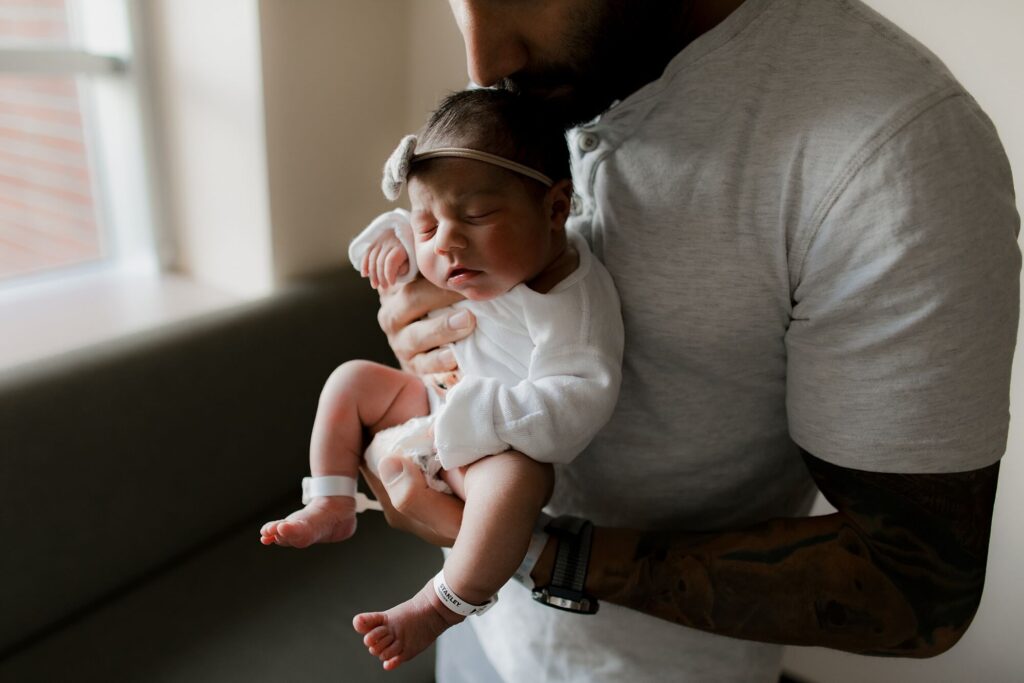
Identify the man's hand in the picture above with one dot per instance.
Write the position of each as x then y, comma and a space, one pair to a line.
410, 505
415, 340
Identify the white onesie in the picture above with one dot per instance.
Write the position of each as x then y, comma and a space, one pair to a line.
540, 373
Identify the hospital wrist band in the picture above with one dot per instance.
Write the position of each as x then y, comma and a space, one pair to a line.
538, 541
456, 604
314, 487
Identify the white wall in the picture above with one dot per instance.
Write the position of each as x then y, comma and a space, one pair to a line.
980, 42
205, 76
273, 121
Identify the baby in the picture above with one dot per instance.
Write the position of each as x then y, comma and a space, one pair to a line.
491, 192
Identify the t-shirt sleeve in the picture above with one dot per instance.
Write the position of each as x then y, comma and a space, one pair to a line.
906, 304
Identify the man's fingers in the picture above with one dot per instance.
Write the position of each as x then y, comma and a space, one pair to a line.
394, 518
429, 334
411, 496
410, 505
410, 303
438, 363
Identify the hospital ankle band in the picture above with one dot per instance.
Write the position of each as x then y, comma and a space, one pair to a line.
456, 604
314, 487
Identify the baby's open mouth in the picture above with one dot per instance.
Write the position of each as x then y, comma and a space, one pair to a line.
459, 275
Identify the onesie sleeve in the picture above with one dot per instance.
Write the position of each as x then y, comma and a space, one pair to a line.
905, 312
570, 393
397, 222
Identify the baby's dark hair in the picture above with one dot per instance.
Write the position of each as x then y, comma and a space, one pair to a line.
502, 123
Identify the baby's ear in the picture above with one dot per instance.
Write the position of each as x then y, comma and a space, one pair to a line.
559, 203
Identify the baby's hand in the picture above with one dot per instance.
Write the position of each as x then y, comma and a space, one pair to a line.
385, 262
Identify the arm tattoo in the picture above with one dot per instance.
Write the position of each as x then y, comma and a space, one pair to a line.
898, 570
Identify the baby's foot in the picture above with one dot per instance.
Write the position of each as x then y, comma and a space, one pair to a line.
404, 631
327, 519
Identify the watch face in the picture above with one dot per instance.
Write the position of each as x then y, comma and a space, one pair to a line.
581, 606
572, 554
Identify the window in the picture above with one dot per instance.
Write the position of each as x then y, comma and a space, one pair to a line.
73, 188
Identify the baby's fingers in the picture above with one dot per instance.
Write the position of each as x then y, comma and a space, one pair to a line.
372, 271
382, 271
364, 265
396, 264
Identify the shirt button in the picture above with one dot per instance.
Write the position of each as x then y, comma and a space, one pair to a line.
588, 142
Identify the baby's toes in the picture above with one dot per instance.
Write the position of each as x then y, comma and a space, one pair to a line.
294, 533
368, 621
268, 534
391, 652
378, 647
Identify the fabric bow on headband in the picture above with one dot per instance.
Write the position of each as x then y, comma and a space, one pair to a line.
396, 170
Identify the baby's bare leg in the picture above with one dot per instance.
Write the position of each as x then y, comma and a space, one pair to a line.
504, 495
358, 395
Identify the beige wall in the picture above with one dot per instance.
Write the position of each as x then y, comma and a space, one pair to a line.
437, 60
336, 84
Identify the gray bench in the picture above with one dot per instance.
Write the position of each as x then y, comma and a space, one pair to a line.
134, 477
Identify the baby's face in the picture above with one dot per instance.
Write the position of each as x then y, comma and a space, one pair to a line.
479, 230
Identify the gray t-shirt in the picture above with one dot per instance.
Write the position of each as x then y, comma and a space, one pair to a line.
812, 228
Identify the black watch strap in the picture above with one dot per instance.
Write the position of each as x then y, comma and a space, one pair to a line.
567, 590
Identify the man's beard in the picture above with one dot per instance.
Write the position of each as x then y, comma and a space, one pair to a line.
571, 102
608, 56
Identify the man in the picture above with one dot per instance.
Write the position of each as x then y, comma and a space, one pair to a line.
813, 231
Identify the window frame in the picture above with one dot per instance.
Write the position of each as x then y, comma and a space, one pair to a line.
117, 111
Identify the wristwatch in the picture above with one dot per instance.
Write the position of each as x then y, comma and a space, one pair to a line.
568, 580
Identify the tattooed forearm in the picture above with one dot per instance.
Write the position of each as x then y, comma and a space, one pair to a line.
897, 571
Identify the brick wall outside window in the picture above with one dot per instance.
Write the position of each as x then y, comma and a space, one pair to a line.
47, 203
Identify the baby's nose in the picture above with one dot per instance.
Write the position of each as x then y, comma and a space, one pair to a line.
448, 238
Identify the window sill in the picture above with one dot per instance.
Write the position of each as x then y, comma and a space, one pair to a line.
52, 317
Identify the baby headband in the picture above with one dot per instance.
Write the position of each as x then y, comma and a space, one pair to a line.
396, 170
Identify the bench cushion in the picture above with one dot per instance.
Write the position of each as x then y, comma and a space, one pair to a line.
116, 460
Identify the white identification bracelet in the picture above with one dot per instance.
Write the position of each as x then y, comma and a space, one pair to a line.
315, 487
454, 602
538, 540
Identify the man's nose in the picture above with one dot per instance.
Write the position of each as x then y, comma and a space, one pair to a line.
494, 49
